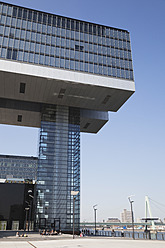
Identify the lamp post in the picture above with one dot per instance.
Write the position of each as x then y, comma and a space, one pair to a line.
26, 211
95, 209
30, 210
74, 194
131, 202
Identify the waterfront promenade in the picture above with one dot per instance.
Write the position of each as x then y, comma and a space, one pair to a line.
86, 242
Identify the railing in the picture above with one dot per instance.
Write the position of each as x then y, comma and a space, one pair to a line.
127, 234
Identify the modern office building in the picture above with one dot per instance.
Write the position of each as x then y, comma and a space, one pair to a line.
63, 76
18, 167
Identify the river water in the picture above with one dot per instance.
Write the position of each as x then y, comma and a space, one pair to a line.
128, 234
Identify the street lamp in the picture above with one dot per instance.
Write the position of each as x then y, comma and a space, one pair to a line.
26, 211
95, 209
30, 210
131, 202
74, 194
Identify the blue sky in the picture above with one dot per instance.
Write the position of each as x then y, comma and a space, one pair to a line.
127, 157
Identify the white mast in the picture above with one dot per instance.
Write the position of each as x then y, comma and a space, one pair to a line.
148, 209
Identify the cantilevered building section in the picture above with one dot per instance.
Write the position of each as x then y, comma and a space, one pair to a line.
63, 76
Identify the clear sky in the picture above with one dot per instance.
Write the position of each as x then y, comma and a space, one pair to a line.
127, 157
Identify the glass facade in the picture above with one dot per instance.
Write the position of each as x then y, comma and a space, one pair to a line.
18, 167
40, 38
59, 167
13, 204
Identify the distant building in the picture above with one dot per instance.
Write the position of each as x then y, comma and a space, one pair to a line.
126, 216
113, 220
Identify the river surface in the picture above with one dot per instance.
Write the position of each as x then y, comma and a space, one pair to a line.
128, 234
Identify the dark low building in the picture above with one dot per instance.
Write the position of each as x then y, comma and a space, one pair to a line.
16, 206
17, 178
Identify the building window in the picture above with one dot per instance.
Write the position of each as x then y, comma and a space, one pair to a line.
22, 88
24, 14
14, 11
9, 52
19, 119
79, 48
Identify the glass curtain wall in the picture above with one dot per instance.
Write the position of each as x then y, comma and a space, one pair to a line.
18, 167
40, 38
59, 168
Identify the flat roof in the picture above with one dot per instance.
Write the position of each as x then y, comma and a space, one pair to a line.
18, 157
63, 16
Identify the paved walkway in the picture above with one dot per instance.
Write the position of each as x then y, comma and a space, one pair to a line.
84, 243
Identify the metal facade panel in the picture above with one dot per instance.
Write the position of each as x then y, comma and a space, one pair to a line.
89, 91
